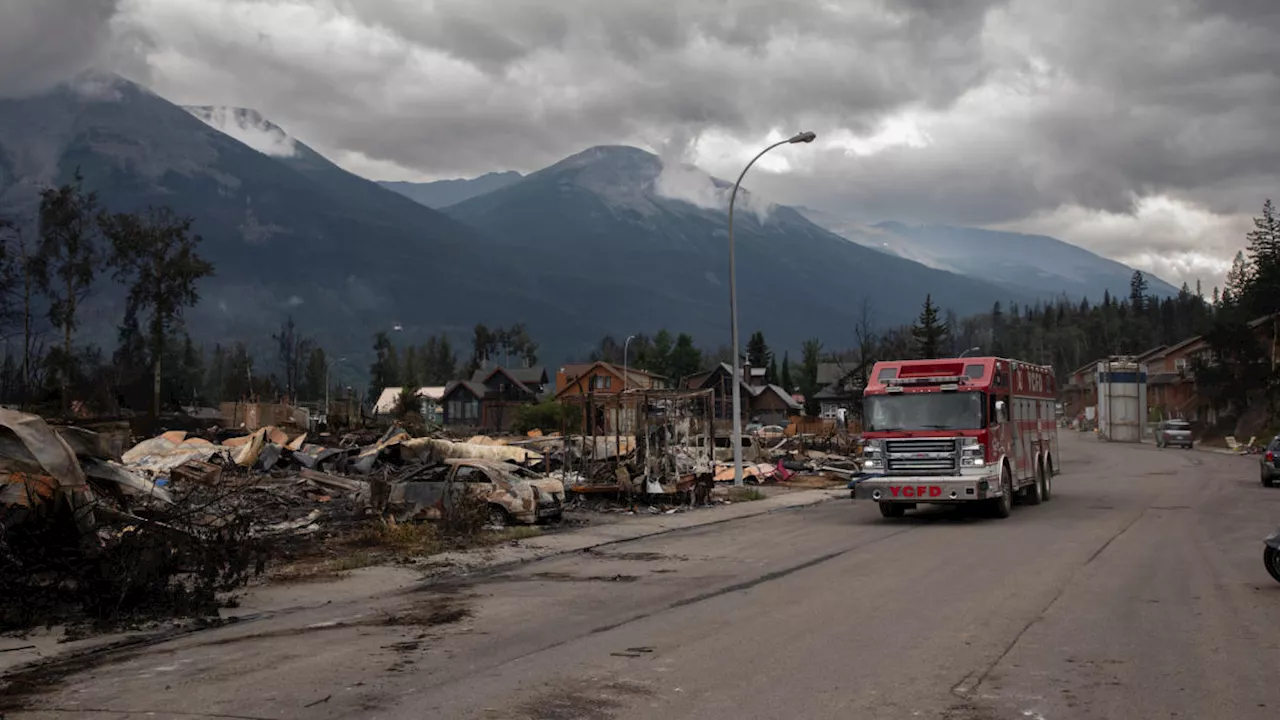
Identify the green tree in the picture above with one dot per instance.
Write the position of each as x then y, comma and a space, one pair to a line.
1260, 291
1138, 291
65, 263
771, 375
155, 255
929, 335
785, 378
1237, 283
686, 359
757, 350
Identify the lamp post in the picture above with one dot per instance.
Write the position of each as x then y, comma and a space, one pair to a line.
327, 369
625, 346
972, 349
804, 137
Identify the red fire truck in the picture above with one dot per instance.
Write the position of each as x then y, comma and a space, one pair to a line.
960, 430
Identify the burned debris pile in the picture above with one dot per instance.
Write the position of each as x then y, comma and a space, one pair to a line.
88, 532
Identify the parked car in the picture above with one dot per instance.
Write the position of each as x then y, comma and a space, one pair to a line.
771, 432
512, 493
1174, 432
1270, 462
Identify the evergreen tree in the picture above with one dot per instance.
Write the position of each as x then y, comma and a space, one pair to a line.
1138, 291
757, 351
787, 383
929, 334
686, 359
771, 375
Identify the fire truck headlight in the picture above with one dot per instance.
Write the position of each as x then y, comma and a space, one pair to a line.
973, 455
873, 455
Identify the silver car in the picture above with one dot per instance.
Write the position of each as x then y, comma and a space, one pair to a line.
1270, 462
1174, 432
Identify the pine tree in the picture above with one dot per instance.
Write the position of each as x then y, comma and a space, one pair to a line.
1138, 291
929, 334
686, 359
785, 378
1260, 290
757, 351
771, 375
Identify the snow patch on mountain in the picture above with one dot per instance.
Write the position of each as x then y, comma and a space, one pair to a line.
249, 127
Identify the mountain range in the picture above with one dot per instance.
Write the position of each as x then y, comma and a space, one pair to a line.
443, 193
607, 241
1038, 264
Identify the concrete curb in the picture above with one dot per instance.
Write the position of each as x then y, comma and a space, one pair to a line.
468, 565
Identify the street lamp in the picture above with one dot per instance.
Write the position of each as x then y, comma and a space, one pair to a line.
804, 137
972, 349
327, 368
625, 345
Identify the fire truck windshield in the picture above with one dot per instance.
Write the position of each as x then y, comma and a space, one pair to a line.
924, 411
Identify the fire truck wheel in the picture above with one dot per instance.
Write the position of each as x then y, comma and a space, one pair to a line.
1048, 478
1002, 507
1034, 494
892, 510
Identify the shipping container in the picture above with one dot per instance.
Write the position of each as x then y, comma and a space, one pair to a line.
1122, 400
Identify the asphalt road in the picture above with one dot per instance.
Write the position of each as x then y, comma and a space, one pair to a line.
1137, 592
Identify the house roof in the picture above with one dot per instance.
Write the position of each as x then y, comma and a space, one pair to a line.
475, 388
835, 391
638, 378
536, 375
1153, 352
762, 389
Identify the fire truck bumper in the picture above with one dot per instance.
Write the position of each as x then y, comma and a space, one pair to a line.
928, 489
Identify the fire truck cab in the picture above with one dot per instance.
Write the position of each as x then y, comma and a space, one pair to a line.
960, 430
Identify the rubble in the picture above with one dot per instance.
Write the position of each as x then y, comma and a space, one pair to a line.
172, 522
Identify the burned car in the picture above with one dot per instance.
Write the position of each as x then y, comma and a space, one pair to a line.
512, 493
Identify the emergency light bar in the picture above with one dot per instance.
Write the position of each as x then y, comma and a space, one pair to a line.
942, 380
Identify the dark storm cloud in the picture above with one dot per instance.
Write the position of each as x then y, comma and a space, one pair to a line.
43, 42
1020, 111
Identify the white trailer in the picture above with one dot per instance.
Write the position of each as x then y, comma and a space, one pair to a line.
1122, 400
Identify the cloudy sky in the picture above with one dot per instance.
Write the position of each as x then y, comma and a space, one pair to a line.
1143, 129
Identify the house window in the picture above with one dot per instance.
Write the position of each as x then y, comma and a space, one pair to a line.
601, 382
471, 409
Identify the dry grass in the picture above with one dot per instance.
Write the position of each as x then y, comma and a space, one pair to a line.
410, 538
745, 494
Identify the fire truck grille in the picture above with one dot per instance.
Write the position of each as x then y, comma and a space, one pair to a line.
921, 456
